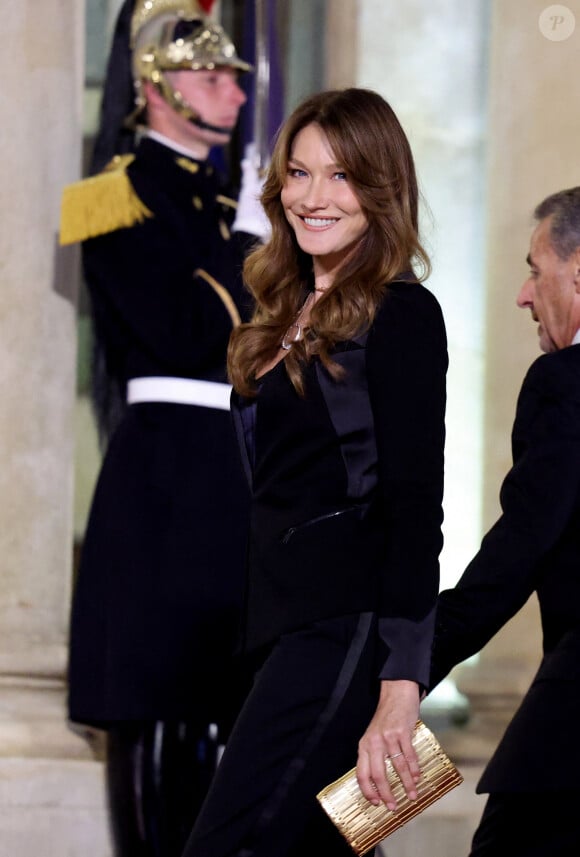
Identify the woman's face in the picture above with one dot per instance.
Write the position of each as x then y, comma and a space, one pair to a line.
320, 203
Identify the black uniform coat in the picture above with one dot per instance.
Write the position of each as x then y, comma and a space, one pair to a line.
534, 546
156, 607
347, 485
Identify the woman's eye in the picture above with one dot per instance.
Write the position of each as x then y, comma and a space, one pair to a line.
340, 176
296, 172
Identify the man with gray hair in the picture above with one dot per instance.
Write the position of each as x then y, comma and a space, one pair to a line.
532, 778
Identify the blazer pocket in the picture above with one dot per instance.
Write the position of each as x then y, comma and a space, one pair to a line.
334, 553
307, 527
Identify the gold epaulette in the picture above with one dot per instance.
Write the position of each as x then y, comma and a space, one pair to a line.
101, 204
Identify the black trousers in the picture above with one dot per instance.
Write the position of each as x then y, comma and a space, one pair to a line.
535, 824
311, 701
158, 774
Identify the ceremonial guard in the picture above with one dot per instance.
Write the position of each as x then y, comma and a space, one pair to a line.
156, 606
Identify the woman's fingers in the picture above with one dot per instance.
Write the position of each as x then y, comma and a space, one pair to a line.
386, 746
373, 782
373, 773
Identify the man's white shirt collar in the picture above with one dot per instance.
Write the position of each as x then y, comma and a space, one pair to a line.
171, 144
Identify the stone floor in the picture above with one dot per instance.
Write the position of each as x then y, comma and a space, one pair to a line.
51, 778
443, 829
52, 808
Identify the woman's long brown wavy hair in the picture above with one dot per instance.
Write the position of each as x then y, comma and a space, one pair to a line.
370, 145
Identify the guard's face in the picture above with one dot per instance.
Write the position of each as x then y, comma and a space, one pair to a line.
320, 203
551, 292
215, 95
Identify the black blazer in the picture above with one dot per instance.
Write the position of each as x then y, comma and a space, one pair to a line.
347, 485
534, 546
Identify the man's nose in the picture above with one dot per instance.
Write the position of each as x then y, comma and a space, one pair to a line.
525, 298
237, 93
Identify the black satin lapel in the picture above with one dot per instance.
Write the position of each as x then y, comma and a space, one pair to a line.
350, 410
241, 438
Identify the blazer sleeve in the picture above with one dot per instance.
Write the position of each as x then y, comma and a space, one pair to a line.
539, 497
406, 369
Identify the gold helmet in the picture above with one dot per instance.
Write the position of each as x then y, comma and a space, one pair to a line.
167, 35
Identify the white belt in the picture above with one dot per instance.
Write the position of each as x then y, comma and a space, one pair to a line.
181, 391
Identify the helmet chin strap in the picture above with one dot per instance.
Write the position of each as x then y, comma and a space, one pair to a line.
205, 126
176, 101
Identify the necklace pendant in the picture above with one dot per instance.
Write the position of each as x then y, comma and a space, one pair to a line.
287, 344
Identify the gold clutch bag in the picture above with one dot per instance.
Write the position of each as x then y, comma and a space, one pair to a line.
364, 825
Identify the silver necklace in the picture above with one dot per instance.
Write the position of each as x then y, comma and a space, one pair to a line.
288, 340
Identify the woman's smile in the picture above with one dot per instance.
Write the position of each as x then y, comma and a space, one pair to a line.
319, 222
320, 203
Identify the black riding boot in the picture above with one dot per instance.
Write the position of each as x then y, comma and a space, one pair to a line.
157, 776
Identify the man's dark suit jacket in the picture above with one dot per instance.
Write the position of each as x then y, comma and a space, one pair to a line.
534, 546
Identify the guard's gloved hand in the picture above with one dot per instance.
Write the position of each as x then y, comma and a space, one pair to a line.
250, 215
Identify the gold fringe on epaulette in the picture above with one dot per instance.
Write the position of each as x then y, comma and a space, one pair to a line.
100, 204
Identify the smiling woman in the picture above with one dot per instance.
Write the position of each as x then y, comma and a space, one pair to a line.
321, 205
338, 403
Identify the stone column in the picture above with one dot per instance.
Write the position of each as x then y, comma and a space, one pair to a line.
47, 781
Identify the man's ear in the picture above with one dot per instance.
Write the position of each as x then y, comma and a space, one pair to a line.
576, 261
151, 93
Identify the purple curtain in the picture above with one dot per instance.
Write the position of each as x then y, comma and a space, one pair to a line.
275, 100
